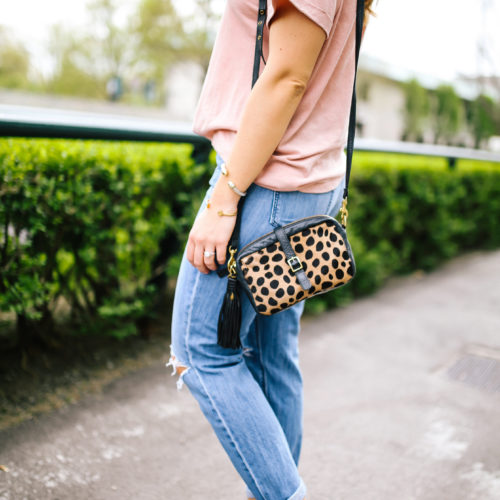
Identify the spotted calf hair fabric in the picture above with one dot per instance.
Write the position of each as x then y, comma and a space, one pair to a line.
326, 258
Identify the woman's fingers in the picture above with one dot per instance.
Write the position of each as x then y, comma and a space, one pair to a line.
213, 241
190, 250
199, 259
210, 258
195, 254
220, 252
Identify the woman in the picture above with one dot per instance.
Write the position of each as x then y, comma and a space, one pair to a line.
282, 143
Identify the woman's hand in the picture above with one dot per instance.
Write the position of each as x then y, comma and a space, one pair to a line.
211, 232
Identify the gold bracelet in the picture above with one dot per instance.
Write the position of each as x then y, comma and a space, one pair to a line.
223, 169
227, 214
221, 213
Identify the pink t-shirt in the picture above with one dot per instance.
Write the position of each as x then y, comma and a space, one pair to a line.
310, 156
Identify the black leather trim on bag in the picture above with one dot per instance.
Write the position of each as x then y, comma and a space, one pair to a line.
292, 260
291, 228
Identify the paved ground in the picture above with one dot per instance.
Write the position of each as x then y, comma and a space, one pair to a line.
385, 418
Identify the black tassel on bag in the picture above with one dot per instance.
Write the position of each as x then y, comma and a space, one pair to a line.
228, 332
228, 328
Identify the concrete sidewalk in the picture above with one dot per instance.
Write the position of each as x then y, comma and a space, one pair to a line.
402, 402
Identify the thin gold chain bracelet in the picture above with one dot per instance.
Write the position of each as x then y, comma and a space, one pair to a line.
221, 212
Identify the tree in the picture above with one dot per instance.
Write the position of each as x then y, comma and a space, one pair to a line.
482, 119
14, 62
74, 73
109, 41
416, 110
163, 37
449, 114
159, 39
496, 117
201, 28
138, 52
86, 61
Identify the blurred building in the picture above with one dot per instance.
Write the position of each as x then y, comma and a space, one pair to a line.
183, 87
381, 98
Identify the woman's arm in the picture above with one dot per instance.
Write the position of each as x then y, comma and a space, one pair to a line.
294, 45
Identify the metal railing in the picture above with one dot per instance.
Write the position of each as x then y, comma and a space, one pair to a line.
27, 121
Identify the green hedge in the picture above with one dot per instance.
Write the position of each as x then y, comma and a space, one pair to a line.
91, 230
90, 225
409, 213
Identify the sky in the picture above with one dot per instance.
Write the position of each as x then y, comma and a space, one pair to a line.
435, 37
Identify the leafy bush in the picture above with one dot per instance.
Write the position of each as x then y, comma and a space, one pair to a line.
91, 231
409, 213
82, 223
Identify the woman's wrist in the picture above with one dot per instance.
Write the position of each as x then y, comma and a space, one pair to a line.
223, 196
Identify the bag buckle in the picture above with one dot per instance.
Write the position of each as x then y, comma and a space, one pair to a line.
294, 263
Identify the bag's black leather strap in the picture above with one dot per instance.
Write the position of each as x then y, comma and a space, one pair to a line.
261, 21
291, 258
360, 16
235, 236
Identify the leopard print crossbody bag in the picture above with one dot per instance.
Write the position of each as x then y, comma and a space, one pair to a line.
307, 257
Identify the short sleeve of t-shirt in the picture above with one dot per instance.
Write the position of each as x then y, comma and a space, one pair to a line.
322, 12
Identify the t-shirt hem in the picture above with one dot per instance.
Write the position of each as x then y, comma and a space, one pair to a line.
318, 187
322, 186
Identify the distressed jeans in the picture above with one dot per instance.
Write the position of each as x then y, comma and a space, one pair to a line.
251, 396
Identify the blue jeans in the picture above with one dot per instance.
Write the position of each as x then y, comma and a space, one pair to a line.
251, 396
